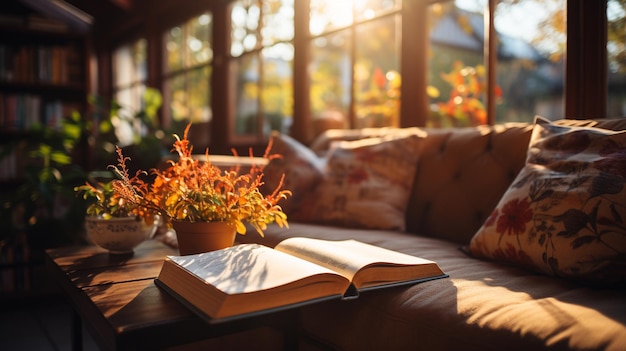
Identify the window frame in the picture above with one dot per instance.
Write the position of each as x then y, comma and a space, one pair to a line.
136, 81
585, 95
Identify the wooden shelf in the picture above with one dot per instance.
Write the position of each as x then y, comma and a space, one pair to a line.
43, 77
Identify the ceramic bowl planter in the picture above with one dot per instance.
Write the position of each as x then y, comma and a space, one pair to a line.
197, 237
119, 235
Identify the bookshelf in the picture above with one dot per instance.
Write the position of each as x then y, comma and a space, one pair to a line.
43, 75
43, 79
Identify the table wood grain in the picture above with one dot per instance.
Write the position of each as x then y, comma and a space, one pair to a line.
116, 298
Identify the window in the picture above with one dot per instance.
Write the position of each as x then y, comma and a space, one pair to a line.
129, 84
262, 50
355, 63
300, 67
528, 58
356, 69
187, 73
616, 47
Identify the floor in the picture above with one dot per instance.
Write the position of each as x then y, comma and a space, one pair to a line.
39, 323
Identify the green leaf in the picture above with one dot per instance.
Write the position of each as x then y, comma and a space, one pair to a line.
105, 126
61, 158
71, 131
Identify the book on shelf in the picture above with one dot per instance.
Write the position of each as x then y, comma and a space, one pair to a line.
19, 111
46, 24
22, 112
9, 165
10, 20
49, 64
249, 279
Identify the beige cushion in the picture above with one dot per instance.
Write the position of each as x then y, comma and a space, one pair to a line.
323, 142
461, 172
565, 213
483, 305
461, 175
366, 184
302, 170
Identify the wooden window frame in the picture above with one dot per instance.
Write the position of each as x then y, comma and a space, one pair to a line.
585, 81
586, 70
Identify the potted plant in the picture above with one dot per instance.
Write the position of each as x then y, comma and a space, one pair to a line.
197, 197
112, 222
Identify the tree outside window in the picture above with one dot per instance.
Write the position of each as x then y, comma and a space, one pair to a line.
355, 80
129, 82
616, 49
187, 73
262, 50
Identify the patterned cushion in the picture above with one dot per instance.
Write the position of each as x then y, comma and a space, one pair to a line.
301, 167
565, 213
366, 184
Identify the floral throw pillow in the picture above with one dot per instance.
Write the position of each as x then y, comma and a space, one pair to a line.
301, 167
366, 184
565, 213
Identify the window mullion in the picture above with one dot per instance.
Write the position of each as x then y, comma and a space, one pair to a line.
491, 57
351, 109
414, 104
261, 83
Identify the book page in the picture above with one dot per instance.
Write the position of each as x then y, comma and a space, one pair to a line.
248, 268
348, 257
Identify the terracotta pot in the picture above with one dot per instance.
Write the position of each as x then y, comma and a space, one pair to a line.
197, 237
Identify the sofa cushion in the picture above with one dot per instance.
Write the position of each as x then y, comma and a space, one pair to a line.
461, 174
483, 305
302, 170
565, 213
366, 184
324, 141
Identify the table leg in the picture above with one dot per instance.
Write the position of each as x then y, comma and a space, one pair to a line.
291, 330
77, 331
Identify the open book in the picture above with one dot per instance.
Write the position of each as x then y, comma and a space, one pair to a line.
250, 278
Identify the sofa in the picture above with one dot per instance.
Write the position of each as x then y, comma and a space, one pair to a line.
437, 194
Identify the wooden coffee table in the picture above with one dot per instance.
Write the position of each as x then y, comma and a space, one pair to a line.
116, 298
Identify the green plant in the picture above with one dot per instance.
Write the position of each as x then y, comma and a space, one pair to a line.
105, 202
135, 130
42, 206
189, 189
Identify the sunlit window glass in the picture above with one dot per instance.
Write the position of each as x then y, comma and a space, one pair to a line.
247, 86
331, 80
616, 51
129, 82
327, 15
277, 92
174, 49
187, 68
368, 9
376, 74
531, 59
199, 40
355, 63
262, 44
456, 75
245, 33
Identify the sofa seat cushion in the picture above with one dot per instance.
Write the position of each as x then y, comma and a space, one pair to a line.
481, 306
